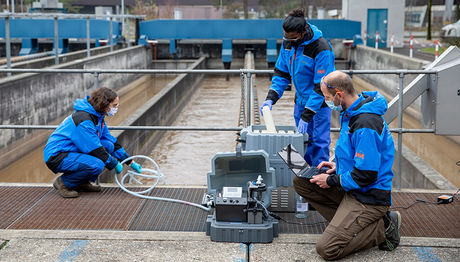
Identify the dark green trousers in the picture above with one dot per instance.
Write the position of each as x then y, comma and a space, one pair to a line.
353, 226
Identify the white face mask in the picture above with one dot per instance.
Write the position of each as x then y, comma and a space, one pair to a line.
112, 111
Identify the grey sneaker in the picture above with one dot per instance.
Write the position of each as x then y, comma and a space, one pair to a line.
63, 190
393, 232
88, 187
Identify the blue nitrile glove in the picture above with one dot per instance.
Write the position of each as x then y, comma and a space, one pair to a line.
136, 167
268, 103
302, 128
118, 168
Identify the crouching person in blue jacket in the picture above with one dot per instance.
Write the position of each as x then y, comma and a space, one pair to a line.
355, 193
82, 145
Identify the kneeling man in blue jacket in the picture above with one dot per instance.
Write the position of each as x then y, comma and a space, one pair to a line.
355, 193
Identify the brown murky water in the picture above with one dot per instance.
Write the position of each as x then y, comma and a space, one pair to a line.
440, 152
32, 169
184, 157
284, 109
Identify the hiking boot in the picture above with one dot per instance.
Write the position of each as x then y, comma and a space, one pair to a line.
393, 232
88, 187
63, 190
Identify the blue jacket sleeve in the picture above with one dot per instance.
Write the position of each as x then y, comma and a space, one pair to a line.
281, 77
324, 64
118, 152
367, 160
86, 140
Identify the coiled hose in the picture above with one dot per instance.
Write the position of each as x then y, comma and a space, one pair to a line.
153, 174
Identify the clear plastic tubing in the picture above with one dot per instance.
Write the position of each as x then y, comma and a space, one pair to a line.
153, 174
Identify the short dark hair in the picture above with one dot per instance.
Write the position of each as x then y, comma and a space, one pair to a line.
101, 98
342, 82
295, 21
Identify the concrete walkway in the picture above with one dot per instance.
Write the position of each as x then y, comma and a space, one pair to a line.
70, 245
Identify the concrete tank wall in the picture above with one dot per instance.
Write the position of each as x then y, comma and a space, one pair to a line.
50, 60
160, 110
45, 99
416, 173
367, 58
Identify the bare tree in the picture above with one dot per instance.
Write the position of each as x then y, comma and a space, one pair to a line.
147, 8
245, 9
232, 11
277, 8
233, 4
428, 32
167, 11
457, 10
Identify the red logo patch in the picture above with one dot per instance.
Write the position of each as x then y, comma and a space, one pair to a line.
321, 71
359, 155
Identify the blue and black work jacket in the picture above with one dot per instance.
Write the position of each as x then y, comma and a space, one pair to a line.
82, 132
365, 151
305, 65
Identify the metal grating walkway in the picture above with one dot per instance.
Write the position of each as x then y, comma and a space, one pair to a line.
427, 220
113, 209
171, 216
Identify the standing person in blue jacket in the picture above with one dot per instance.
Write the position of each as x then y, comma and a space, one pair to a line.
355, 193
305, 57
82, 145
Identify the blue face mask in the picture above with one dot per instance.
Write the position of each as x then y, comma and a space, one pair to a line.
331, 105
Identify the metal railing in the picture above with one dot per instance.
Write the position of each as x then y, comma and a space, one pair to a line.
249, 73
57, 16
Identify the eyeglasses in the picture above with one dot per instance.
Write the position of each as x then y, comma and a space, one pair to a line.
291, 39
322, 81
114, 106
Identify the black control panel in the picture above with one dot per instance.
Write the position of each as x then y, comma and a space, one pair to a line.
231, 209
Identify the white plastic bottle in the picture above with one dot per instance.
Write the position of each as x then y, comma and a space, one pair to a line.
301, 209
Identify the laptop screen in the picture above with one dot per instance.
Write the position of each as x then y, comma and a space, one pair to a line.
293, 159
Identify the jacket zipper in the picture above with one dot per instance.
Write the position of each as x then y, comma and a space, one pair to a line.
338, 137
293, 67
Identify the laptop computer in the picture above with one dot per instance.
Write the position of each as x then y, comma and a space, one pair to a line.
295, 161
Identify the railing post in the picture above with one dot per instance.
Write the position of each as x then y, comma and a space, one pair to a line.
56, 41
392, 40
8, 45
377, 40
88, 47
96, 80
249, 98
400, 122
129, 41
365, 37
111, 34
411, 43
437, 49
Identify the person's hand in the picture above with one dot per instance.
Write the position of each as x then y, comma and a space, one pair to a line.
118, 168
136, 167
302, 128
268, 103
320, 180
328, 164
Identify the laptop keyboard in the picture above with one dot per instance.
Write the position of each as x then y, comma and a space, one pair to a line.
311, 172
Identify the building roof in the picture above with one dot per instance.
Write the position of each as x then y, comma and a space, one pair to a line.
425, 2
329, 4
157, 2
